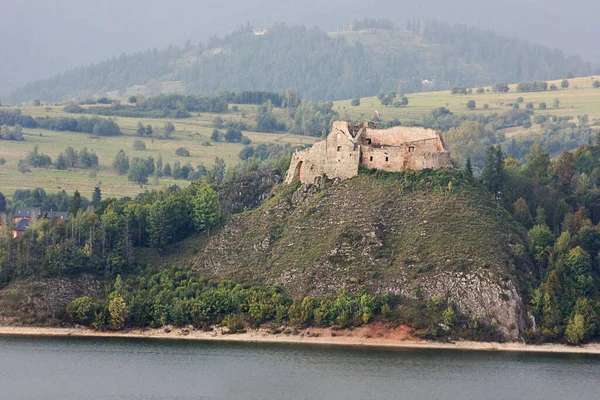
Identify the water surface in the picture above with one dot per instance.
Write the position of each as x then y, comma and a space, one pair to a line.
136, 369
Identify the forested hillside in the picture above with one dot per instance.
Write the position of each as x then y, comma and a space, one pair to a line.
321, 66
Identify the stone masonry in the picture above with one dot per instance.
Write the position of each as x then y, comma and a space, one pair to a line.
348, 146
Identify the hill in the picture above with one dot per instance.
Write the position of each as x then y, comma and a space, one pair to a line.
321, 66
410, 234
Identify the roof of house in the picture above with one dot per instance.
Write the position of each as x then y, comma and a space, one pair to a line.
26, 212
63, 215
22, 225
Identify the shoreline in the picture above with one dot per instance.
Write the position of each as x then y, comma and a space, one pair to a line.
263, 336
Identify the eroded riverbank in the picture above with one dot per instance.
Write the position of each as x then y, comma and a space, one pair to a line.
399, 338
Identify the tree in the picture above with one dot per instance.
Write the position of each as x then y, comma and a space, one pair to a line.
553, 87
149, 130
355, 102
556, 103
500, 88
75, 204
2, 203
234, 135
596, 84
575, 329
167, 170
480, 90
538, 163
493, 174
81, 310
121, 163
61, 162
168, 129
522, 213
469, 168
206, 208
564, 84
133, 99
215, 136
471, 105
139, 171
542, 106
182, 152
23, 167
141, 130
118, 312
96, 196
159, 165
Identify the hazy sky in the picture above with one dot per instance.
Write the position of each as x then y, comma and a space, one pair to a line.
39, 38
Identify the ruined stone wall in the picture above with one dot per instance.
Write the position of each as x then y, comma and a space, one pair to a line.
397, 135
395, 149
336, 157
413, 155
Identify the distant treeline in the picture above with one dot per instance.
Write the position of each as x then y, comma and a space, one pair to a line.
95, 125
180, 106
322, 66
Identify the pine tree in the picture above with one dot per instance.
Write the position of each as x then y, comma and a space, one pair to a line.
96, 196
75, 204
469, 168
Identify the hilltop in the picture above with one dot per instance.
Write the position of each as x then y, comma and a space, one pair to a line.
412, 234
319, 65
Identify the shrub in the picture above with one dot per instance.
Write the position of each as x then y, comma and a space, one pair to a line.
471, 105
81, 310
139, 145
596, 84
182, 152
542, 106
234, 322
355, 102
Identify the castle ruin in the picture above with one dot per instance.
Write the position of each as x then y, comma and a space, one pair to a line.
393, 149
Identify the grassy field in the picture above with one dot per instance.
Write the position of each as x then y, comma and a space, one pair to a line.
579, 99
191, 133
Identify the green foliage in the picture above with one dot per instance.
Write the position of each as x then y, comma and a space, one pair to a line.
355, 102
81, 310
121, 163
471, 105
37, 160
493, 174
206, 208
118, 312
182, 152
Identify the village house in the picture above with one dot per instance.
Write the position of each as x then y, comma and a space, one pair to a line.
23, 217
347, 146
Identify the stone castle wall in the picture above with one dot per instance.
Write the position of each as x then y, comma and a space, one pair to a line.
395, 149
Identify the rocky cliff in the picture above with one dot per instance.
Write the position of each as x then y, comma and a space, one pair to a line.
412, 234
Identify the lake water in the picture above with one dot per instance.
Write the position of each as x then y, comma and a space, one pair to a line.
81, 368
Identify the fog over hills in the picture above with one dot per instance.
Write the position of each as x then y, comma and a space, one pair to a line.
41, 38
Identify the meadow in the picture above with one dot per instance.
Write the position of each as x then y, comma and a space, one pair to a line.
579, 99
191, 133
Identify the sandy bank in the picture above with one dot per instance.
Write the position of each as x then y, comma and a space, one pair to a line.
308, 336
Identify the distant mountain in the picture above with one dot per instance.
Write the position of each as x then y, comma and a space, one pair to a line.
374, 57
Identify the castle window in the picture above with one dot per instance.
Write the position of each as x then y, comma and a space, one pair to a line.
411, 149
371, 158
387, 158
368, 140
339, 148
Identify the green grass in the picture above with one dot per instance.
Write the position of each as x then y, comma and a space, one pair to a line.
579, 99
191, 133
